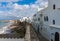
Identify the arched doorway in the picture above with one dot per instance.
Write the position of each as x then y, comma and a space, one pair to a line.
56, 36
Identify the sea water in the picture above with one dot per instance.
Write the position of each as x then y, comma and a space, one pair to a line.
2, 24
4, 27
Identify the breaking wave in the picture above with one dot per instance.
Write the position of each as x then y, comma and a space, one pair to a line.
5, 29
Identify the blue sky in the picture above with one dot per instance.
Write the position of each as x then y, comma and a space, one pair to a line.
21, 2
20, 8
28, 2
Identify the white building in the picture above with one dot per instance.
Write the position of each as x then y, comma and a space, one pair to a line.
36, 20
49, 25
27, 19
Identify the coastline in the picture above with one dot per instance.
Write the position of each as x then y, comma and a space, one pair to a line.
13, 27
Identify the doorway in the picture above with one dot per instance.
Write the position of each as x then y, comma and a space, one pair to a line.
56, 36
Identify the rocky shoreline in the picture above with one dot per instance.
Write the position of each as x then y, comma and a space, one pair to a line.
17, 29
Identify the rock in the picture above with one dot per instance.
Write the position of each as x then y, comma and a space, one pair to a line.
15, 29
19, 28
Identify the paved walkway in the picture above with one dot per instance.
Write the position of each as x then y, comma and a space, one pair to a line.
32, 35
42, 38
27, 35
37, 35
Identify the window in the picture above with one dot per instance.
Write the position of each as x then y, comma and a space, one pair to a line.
38, 19
45, 18
51, 40
41, 15
53, 21
35, 15
41, 28
54, 6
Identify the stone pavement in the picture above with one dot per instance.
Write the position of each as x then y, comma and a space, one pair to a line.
38, 35
42, 38
32, 35
27, 35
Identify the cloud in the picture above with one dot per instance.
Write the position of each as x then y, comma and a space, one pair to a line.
21, 7
42, 3
18, 11
23, 10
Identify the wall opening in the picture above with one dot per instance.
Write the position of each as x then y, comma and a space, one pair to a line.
53, 22
54, 6
56, 36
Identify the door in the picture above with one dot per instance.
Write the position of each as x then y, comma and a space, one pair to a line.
56, 36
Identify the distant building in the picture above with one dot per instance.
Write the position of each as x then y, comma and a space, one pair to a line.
27, 19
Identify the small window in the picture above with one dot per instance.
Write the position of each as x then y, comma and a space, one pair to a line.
51, 40
41, 15
41, 28
54, 6
53, 21
35, 15
38, 19
45, 18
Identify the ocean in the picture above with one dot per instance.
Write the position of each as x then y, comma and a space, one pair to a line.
2, 24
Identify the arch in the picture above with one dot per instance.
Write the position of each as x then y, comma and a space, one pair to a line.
56, 36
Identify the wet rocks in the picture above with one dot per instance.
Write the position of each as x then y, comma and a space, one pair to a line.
16, 29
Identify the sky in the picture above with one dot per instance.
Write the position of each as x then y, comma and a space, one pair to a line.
14, 9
